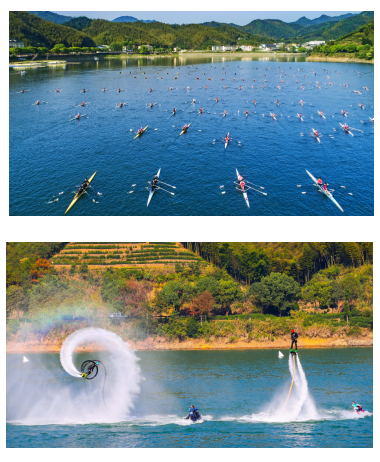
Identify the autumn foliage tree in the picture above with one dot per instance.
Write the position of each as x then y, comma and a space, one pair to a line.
39, 270
202, 305
134, 296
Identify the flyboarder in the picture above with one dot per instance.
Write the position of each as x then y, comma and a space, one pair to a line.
294, 337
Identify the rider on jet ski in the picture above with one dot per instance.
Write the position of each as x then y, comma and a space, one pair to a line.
193, 414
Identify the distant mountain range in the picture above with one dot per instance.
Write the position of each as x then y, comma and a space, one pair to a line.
304, 21
132, 19
61, 19
322, 28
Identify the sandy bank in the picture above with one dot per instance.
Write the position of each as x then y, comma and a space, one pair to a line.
344, 59
156, 344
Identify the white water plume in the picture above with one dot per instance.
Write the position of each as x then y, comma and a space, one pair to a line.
60, 399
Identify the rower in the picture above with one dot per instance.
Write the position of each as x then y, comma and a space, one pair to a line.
193, 100
321, 113
188, 88
216, 100
277, 102
225, 87
22, 91
104, 89
345, 127
154, 182
150, 90
361, 105
171, 88
240, 87
185, 128
227, 138
83, 103
325, 188
273, 116
300, 115
119, 90
224, 113
121, 104
77, 116
254, 102
57, 90
84, 90
201, 110
37, 102
174, 111
151, 105
246, 112
316, 134
301, 102
319, 181
343, 112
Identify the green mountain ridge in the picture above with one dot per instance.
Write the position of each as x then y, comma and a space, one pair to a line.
85, 32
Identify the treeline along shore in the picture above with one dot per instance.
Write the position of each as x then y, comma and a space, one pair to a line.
194, 295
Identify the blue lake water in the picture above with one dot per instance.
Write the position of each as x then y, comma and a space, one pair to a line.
50, 155
237, 392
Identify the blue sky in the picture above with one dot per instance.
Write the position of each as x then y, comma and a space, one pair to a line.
180, 17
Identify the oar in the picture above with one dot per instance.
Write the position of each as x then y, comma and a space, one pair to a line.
356, 130
255, 184
158, 187
167, 184
250, 187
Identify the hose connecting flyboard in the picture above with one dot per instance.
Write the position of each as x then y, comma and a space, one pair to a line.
290, 389
89, 370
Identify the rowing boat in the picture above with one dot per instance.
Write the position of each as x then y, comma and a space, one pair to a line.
273, 116
139, 134
242, 190
315, 134
227, 140
184, 131
151, 192
346, 129
77, 195
327, 193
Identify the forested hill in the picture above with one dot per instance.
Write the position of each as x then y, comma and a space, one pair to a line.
82, 31
52, 17
250, 261
277, 30
184, 296
34, 31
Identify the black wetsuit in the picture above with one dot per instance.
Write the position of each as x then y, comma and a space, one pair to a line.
294, 337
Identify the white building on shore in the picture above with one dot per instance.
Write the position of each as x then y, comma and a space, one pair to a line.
16, 44
224, 48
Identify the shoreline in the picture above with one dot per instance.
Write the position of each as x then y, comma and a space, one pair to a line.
160, 344
343, 59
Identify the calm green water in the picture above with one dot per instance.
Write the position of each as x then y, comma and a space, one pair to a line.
237, 393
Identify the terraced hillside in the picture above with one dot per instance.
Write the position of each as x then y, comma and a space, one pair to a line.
121, 254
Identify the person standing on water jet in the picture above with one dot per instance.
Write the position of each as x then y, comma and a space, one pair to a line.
294, 337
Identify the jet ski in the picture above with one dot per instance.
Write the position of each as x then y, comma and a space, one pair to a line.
194, 415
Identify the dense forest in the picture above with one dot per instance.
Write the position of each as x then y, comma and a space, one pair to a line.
359, 44
34, 31
249, 262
